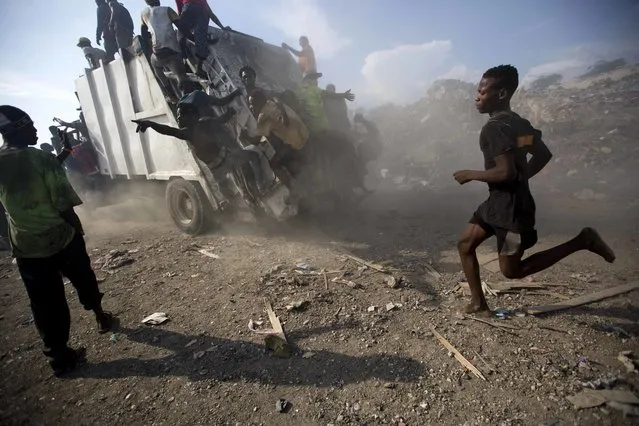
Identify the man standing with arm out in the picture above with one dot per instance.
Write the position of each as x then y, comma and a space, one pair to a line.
46, 236
509, 212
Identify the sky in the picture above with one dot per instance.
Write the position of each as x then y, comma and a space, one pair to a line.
384, 50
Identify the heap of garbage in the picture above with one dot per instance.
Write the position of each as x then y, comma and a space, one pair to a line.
590, 126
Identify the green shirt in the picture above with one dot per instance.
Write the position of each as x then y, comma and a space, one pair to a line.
34, 191
310, 97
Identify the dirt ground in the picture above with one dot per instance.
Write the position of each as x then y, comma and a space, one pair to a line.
357, 360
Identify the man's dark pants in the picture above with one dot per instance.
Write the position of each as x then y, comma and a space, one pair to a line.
43, 280
195, 19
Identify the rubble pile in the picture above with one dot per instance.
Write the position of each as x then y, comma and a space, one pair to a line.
591, 128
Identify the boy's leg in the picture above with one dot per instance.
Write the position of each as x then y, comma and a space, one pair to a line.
75, 264
470, 239
513, 267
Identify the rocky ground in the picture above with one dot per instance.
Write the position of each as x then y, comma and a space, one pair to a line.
364, 349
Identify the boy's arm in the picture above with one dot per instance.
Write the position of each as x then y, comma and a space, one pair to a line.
541, 156
346, 95
501, 147
224, 118
214, 17
161, 128
297, 53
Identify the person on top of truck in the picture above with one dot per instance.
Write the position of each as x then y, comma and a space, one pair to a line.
46, 237
336, 110
121, 24
93, 55
195, 15
306, 56
103, 30
210, 141
158, 22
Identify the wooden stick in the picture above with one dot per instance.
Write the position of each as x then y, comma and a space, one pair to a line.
584, 300
494, 324
484, 361
325, 279
275, 321
462, 360
371, 265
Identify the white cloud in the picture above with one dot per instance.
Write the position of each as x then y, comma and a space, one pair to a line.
295, 18
402, 73
568, 68
461, 72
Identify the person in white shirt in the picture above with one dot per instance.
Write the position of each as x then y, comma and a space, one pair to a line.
93, 54
159, 21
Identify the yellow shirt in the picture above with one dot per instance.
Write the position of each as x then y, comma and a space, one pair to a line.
271, 120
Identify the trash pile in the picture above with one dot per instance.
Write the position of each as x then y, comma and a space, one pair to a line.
590, 127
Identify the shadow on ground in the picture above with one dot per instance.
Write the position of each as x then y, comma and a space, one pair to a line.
232, 360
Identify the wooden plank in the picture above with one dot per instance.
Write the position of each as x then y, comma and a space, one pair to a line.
462, 360
371, 265
275, 321
584, 300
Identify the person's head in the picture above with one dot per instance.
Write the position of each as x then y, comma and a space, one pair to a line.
100, 2
310, 78
84, 42
496, 88
304, 41
187, 115
152, 2
16, 127
47, 147
330, 88
256, 101
248, 76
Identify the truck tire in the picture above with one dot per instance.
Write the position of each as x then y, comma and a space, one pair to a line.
188, 206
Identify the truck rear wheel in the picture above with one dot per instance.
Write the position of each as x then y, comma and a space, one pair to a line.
188, 206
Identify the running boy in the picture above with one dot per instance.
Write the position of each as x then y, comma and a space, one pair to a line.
509, 211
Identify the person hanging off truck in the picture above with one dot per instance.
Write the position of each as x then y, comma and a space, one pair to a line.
157, 23
210, 141
121, 26
93, 55
194, 17
46, 237
104, 31
305, 57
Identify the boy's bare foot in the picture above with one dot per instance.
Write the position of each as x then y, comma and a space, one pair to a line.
597, 245
473, 308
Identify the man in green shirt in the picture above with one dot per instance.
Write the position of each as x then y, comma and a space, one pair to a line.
46, 237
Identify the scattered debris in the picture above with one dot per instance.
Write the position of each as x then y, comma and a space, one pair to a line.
584, 300
503, 327
393, 306
298, 306
308, 355
361, 261
208, 254
276, 342
390, 385
114, 337
589, 398
282, 405
191, 343
305, 267
490, 367
325, 279
156, 318
348, 283
628, 360
198, 354
115, 259
462, 360
371, 308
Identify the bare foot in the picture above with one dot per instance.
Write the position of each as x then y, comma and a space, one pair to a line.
597, 245
473, 308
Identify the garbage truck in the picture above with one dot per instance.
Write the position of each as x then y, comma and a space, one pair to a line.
124, 90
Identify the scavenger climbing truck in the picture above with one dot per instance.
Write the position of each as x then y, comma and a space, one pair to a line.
120, 91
